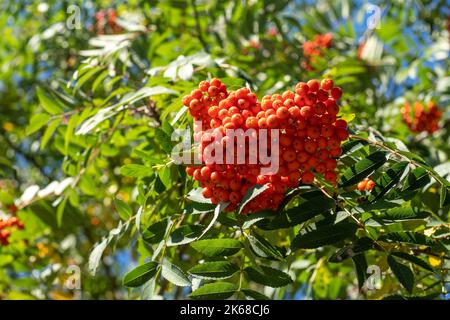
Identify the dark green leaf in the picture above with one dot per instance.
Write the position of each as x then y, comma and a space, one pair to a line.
185, 234
164, 141
387, 181
444, 196
263, 248
404, 274
352, 146
214, 291
359, 246
360, 263
413, 259
254, 294
402, 213
217, 247
326, 235
140, 275
268, 276
418, 178
407, 237
214, 270
313, 206
155, 232
362, 169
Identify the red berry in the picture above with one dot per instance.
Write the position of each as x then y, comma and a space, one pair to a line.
307, 177
327, 84
336, 93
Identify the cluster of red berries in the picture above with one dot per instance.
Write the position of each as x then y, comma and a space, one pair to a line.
5, 229
366, 185
421, 118
309, 139
315, 48
105, 22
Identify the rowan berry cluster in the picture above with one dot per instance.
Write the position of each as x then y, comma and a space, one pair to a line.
421, 118
366, 185
315, 48
6, 227
105, 22
307, 140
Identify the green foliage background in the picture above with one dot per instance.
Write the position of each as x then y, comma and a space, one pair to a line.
85, 130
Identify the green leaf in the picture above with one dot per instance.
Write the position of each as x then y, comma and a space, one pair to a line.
255, 295
444, 196
387, 181
418, 178
312, 207
185, 234
362, 169
37, 121
402, 213
174, 274
352, 146
136, 171
69, 132
268, 276
49, 131
404, 274
217, 247
214, 270
263, 248
412, 156
359, 246
123, 209
165, 175
407, 237
50, 104
155, 232
360, 263
413, 259
163, 140
324, 235
214, 291
253, 218
140, 274
251, 194
60, 212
